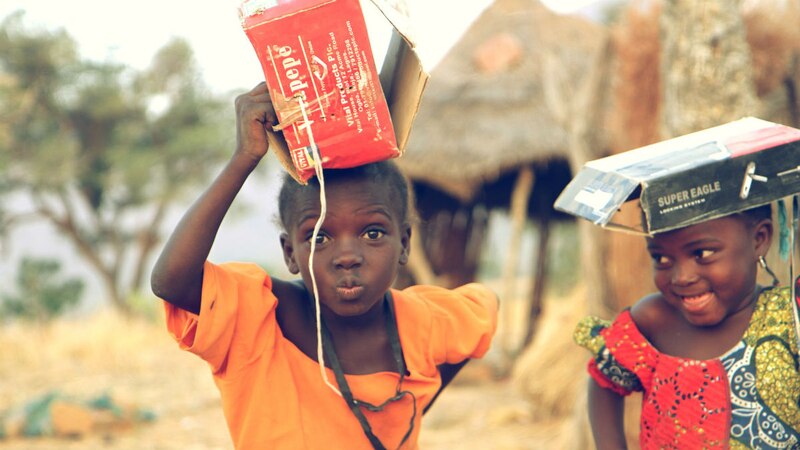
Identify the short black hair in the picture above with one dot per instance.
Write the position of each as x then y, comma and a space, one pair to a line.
384, 172
757, 214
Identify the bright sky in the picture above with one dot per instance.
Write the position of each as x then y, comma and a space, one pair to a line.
131, 32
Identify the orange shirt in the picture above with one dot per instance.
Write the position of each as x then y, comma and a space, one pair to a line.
273, 395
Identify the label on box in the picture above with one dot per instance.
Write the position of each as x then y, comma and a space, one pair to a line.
714, 190
316, 56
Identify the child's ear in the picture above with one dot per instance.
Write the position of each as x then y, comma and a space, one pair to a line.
288, 254
762, 234
405, 241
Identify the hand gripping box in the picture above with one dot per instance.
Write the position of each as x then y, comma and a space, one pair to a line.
321, 74
688, 179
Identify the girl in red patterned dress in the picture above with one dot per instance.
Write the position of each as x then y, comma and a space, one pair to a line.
714, 354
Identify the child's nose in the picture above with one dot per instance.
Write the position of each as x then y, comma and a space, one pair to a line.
683, 274
348, 254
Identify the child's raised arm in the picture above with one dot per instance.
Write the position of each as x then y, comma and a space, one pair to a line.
178, 274
606, 414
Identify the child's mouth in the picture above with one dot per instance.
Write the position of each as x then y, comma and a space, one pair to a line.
697, 303
349, 292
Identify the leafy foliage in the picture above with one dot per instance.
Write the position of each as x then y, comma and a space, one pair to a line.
100, 150
41, 293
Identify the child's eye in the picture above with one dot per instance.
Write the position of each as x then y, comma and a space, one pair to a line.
321, 239
702, 254
660, 260
374, 234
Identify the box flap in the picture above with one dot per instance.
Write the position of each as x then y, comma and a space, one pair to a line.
596, 195
403, 76
395, 14
404, 80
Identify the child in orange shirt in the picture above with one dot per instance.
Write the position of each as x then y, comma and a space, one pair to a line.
387, 353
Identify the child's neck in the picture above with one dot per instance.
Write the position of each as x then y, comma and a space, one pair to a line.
677, 337
748, 305
357, 325
362, 343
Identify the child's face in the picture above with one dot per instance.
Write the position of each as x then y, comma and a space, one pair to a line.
359, 249
708, 271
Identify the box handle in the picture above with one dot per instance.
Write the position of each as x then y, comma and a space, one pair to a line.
787, 172
750, 175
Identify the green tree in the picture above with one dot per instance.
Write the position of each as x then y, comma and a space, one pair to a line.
100, 150
41, 293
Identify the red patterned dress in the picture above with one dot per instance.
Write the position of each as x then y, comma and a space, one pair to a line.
748, 398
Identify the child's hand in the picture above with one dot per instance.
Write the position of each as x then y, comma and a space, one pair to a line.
254, 116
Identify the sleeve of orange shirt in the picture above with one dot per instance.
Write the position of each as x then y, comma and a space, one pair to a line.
230, 291
463, 321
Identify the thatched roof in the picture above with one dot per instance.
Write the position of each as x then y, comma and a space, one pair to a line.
484, 111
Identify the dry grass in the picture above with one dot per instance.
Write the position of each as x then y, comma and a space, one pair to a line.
133, 361
551, 369
137, 363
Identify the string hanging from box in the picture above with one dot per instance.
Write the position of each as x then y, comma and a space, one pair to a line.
322, 212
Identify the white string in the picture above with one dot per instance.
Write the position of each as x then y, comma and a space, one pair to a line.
793, 287
317, 226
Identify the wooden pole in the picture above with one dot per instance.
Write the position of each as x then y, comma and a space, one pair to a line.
418, 263
519, 212
539, 280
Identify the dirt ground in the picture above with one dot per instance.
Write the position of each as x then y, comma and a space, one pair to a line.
137, 364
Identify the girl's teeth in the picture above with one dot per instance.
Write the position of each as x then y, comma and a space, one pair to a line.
697, 302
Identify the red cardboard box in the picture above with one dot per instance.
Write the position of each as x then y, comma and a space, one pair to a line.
318, 52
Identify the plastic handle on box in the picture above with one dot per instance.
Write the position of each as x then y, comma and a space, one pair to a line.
749, 176
787, 172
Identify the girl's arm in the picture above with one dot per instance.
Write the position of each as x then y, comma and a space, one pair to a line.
606, 414
178, 274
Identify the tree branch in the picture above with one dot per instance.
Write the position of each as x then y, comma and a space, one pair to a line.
148, 238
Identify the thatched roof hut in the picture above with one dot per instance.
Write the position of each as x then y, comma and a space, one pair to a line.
485, 111
494, 131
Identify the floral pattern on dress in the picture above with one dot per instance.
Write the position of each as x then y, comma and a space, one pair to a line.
753, 423
747, 398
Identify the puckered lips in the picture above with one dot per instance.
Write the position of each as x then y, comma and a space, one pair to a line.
349, 289
697, 303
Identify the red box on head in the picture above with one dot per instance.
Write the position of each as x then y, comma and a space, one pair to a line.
316, 57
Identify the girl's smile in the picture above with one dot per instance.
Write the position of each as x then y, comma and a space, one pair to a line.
696, 304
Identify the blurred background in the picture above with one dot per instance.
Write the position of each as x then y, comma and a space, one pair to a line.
115, 116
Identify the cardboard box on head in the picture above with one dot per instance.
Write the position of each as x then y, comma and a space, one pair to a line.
321, 74
689, 179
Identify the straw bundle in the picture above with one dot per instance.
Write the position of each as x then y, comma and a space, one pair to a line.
551, 370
